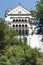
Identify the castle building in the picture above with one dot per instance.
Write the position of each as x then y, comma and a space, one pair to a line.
21, 20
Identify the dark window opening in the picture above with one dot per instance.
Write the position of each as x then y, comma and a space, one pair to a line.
22, 32
26, 32
19, 32
25, 20
16, 20
19, 20
22, 25
13, 25
19, 25
22, 20
13, 20
25, 25
16, 25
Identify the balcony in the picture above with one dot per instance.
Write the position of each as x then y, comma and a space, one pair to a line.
21, 31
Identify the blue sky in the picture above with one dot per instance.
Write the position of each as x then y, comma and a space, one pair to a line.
8, 4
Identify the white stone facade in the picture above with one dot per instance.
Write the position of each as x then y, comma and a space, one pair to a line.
21, 20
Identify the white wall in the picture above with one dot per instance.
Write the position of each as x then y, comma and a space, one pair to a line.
35, 41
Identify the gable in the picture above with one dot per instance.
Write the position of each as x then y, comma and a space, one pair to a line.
19, 10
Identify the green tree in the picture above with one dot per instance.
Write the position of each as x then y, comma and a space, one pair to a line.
33, 12
39, 11
7, 35
2, 29
15, 53
2, 33
10, 36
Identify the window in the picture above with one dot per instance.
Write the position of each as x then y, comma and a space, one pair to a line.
23, 32
19, 32
13, 20
13, 25
16, 25
19, 20
22, 20
19, 25
25, 25
16, 20
25, 20
22, 25
26, 32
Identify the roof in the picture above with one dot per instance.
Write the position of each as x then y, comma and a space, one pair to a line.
19, 10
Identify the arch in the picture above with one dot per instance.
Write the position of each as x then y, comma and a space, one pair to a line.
25, 19
16, 25
13, 20
19, 25
25, 25
16, 20
22, 20
22, 25
13, 25
19, 19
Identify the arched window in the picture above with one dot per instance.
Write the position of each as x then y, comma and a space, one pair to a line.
19, 20
26, 25
19, 25
22, 20
16, 25
25, 20
16, 20
13, 25
13, 20
22, 25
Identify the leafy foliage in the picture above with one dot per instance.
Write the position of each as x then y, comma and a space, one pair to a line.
14, 51
39, 10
